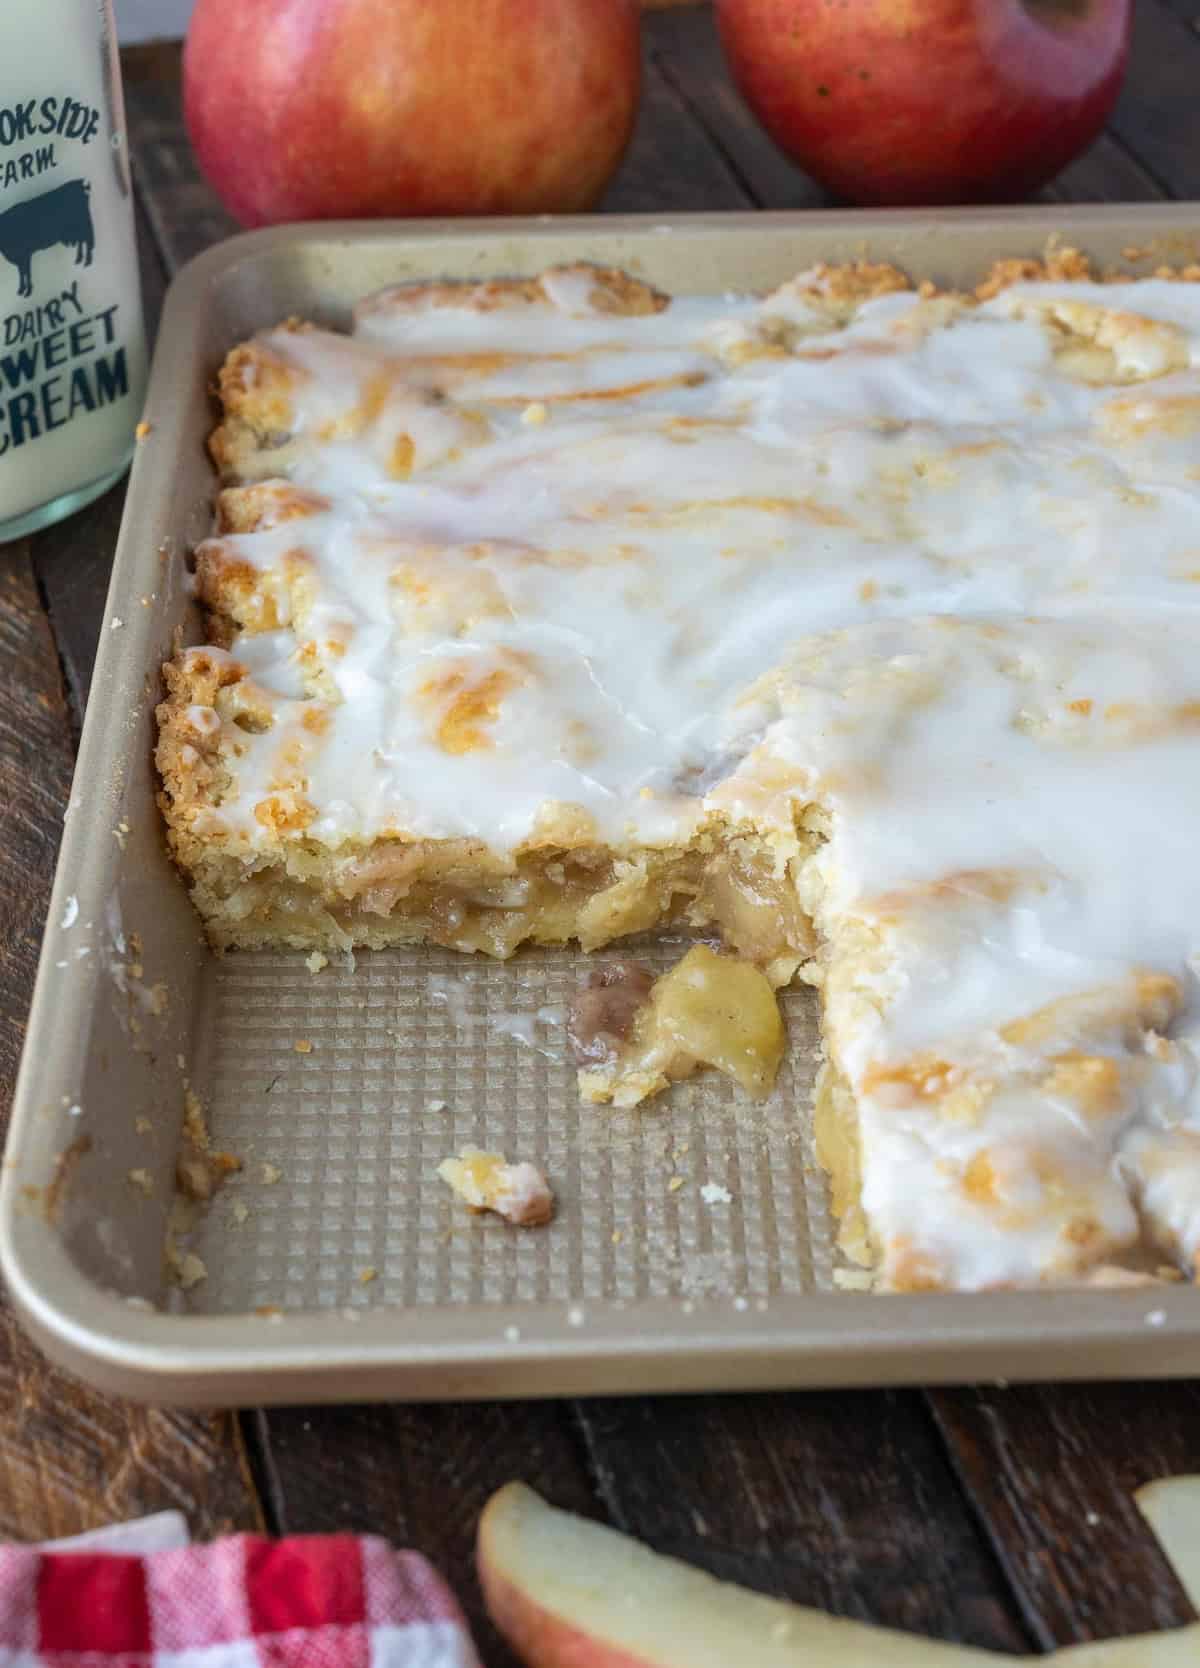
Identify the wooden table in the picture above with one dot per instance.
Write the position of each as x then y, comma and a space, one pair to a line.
994, 1515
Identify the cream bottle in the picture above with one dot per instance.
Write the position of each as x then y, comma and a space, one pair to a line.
72, 340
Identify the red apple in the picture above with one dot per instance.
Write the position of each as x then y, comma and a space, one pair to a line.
332, 109
929, 101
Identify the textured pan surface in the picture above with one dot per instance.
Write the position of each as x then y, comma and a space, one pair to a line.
413, 1056
337, 1265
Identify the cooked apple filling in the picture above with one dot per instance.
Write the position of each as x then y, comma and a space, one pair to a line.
632, 1036
856, 626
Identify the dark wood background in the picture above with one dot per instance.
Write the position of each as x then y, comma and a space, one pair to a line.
999, 1516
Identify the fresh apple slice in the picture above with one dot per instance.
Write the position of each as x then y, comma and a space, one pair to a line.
566, 1593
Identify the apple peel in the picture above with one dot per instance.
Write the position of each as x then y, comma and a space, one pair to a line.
568, 1593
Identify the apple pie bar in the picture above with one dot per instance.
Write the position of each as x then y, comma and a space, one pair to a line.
855, 628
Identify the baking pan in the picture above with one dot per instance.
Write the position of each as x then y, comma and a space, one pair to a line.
692, 1248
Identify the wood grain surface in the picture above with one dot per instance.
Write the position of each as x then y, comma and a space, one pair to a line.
686, 52
71, 1459
1051, 1473
419, 1475
999, 1516
35, 773
842, 1500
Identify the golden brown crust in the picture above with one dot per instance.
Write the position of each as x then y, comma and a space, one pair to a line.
611, 291
1189, 274
1056, 266
835, 1130
481, 296
263, 504
255, 388
857, 281
614, 291
190, 761
241, 597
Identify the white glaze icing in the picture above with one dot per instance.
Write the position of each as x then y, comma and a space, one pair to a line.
915, 570
996, 852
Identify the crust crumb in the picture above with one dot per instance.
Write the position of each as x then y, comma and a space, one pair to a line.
488, 1182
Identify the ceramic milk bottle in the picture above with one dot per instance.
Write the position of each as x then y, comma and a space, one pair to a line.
72, 346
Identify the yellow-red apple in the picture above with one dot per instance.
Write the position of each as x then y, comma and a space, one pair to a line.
929, 101
332, 109
566, 1593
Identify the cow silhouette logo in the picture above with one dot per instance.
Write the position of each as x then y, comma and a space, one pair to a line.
63, 215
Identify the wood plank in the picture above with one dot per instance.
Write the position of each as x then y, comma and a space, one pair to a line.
35, 776
183, 210
672, 165
73, 560
1051, 1471
841, 1501
71, 1459
685, 48
151, 268
1157, 117
1105, 173
420, 1476
1188, 11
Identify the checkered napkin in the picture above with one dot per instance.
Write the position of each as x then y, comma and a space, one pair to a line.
319, 1601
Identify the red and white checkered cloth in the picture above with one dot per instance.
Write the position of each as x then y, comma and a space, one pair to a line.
320, 1601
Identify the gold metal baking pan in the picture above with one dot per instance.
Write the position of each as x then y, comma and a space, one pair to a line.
337, 1266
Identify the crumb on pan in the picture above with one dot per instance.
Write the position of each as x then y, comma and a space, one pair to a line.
853, 1279
184, 1268
488, 1182
199, 1170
